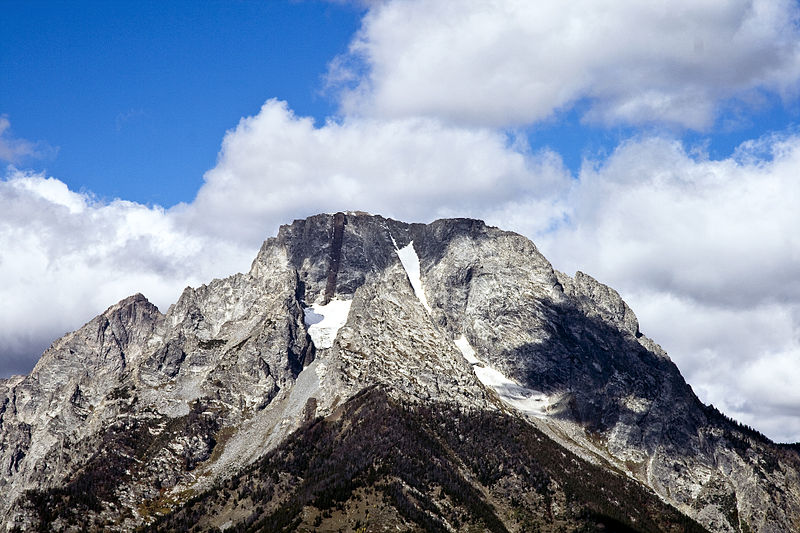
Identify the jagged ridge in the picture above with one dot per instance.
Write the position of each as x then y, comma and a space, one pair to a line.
234, 357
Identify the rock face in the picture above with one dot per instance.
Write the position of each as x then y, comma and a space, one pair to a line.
432, 467
124, 420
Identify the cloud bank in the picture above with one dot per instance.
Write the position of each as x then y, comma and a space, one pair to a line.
276, 166
704, 250
502, 63
705, 253
64, 258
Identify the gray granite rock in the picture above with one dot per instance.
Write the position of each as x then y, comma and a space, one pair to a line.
152, 408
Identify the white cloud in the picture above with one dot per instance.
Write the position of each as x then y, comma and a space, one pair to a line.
745, 360
706, 254
723, 226
64, 258
513, 62
276, 166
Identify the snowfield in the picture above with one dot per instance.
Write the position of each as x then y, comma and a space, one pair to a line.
325, 321
523, 399
410, 260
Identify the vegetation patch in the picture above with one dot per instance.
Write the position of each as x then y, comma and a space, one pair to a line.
424, 467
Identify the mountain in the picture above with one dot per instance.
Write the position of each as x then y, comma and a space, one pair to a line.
368, 374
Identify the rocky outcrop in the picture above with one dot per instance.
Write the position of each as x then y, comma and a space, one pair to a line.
431, 467
598, 300
143, 410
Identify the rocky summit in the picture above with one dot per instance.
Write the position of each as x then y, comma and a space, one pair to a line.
366, 375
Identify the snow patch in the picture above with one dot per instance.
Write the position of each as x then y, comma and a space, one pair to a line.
325, 321
523, 399
467, 350
410, 261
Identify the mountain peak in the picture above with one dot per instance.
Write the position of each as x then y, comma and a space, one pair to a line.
451, 316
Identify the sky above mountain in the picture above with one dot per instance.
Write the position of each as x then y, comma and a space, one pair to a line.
146, 146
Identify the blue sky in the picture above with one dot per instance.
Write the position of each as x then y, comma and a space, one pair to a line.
133, 98
147, 146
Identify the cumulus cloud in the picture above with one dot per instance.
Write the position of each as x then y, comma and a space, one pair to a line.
511, 62
65, 257
744, 360
723, 224
705, 253
276, 166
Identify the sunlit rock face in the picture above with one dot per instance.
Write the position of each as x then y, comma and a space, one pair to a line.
143, 410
